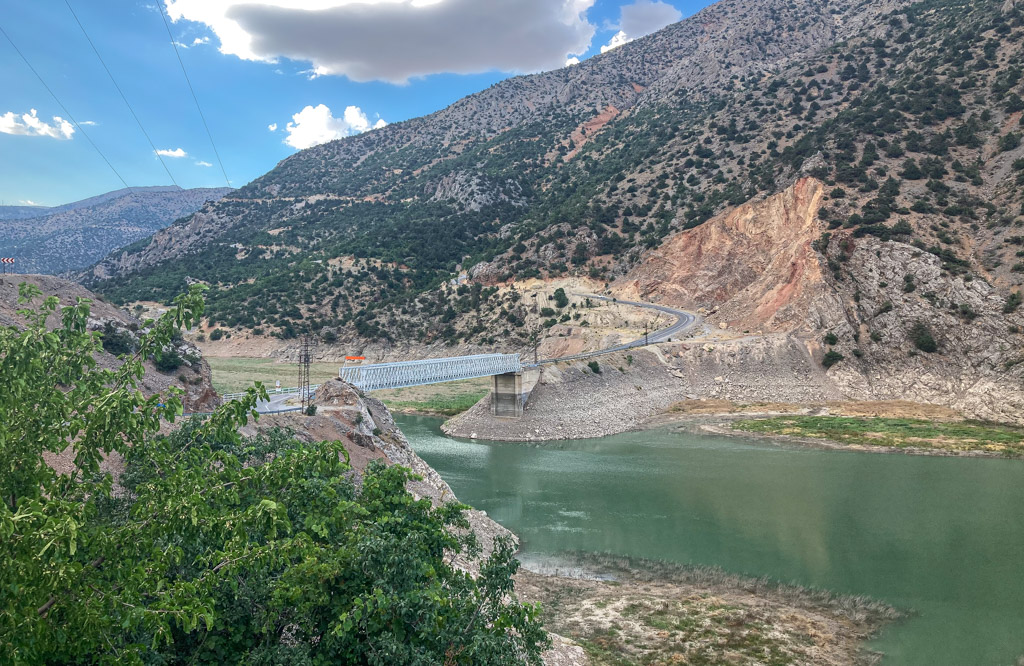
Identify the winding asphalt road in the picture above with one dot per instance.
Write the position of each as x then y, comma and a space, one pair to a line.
684, 321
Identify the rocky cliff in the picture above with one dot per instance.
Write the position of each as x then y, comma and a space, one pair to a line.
754, 266
771, 266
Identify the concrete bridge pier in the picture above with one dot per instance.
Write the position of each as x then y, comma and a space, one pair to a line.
507, 397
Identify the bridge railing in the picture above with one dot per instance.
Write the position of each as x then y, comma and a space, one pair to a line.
429, 371
292, 390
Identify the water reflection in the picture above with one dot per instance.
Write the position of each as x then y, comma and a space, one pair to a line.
943, 536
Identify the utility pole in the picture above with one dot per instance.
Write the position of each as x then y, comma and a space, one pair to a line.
305, 359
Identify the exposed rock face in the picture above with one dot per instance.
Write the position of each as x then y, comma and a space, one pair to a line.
892, 288
758, 268
474, 192
755, 264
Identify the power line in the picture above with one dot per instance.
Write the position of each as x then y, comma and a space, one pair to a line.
174, 45
120, 92
66, 112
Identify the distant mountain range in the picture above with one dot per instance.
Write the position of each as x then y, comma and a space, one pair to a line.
70, 237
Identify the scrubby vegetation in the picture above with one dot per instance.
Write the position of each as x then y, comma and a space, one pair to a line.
894, 432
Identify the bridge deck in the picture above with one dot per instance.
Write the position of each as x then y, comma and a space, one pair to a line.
430, 371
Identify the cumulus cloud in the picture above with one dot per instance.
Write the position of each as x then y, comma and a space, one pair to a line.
29, 124
395, 40
572, 61
169, 152
203, 163
272, 127
316, 124
642, 18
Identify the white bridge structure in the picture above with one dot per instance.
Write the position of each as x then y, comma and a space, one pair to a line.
380, 376
508, 399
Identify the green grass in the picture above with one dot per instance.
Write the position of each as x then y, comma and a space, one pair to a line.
231, 375
448, 405
895, 432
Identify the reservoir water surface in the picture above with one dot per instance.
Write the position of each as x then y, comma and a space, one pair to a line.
941, 536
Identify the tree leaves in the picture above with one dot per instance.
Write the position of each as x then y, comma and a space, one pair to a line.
217, 548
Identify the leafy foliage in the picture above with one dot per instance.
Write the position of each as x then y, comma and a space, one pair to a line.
216, 548
922, 337
830, 358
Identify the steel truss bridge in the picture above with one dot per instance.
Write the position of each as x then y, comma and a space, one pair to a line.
431, 371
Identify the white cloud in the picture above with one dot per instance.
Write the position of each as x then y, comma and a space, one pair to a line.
89, 123
316, 124
618, 39
272, 127
175, 152
642, 18
28, 202
195, 42
572, 61
29, 124
395, 40
203, 163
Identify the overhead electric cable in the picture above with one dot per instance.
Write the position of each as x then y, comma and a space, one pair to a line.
66, 112
174, 45
120, 92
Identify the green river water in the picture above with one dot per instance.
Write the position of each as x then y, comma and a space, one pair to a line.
941, 536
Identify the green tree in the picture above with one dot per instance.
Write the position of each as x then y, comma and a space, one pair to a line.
831, 358
922, 337
561, 300
216, 548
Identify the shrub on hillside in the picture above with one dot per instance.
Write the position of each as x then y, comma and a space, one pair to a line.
921, 336
831, 358
116, 341
168, 361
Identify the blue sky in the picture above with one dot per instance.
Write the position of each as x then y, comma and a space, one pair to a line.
296, 65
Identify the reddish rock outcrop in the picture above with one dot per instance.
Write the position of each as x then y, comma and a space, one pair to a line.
755, 265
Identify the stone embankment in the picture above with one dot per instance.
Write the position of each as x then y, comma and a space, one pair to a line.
571, 401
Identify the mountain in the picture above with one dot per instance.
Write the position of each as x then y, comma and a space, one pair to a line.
70, 237
860, 165
22, 212
468, 180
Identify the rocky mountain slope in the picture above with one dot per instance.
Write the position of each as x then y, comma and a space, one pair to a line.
22, 212
423, 196
67, 238
850, 173
184, 366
